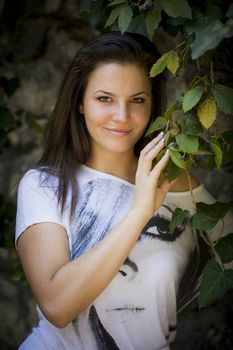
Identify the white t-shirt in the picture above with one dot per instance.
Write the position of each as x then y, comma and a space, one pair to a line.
137, 310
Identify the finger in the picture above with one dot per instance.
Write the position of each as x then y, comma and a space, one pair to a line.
158, 168
146, 162
150, 146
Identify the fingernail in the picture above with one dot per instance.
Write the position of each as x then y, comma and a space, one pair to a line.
161, 133
167, 151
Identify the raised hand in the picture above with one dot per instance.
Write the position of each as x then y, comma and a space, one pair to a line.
149, 194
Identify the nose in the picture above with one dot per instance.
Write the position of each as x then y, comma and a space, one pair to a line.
121, 112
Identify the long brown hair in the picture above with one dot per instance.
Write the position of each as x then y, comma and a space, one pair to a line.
67, 142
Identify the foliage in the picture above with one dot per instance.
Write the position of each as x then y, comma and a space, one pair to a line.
188, 123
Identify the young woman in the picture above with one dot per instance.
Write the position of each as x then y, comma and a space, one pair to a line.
92, 220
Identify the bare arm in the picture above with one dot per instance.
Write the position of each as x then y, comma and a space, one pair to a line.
64, 288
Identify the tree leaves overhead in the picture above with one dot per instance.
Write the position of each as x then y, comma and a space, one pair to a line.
123, 13
153, 19
208, 32
176, 8
160, 65
215, 283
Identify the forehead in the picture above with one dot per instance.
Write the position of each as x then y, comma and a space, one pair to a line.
118, 75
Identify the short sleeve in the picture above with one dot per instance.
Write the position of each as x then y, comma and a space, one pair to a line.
36, 202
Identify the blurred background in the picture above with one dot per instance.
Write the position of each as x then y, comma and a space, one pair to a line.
37, 42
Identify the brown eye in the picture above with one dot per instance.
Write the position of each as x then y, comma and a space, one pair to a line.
104, 99
138, 100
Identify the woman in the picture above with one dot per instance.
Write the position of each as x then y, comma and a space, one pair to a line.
92, 220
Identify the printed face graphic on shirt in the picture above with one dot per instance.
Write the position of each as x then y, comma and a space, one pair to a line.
146, 284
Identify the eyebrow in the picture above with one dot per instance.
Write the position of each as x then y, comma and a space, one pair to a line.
111, 94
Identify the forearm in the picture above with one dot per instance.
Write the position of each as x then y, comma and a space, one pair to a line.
77, 284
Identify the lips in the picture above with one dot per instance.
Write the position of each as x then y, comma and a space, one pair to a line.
118, 131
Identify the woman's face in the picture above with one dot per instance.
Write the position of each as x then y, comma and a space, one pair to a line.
116, 107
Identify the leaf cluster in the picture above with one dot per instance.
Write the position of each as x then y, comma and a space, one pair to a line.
216, 279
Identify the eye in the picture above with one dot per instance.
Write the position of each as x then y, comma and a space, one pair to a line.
104, 99
138, 100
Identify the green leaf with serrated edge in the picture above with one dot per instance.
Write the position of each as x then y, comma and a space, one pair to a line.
177, 159
113, 16
214, 284
224, 98
169, 111
188, 144
216, 210
138, 25
153, 18
171, 171
192, 126
224, 248
158, 124
116, 2
159, 65
173, 62
203, 222
218, 153
178, 218
6, 117
176, 8
192, 97
125, 17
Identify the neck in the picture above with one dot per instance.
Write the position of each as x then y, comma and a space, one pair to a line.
122, 165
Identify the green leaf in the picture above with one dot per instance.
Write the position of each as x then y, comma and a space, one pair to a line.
224, 248
215, 283
177, 159
125, 17
160, 65
153, 18
203, 222
113, 16
176, 8
117, 2
192, 97
209, 32
216, 210
188, 144
171, 171
173, 62
6, 117
178, 218
157, 124
138, 25
224, 98
192, 126
218, 153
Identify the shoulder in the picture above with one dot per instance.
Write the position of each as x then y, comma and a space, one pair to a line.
183, 182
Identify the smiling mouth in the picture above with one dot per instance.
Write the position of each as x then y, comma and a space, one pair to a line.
118, 132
